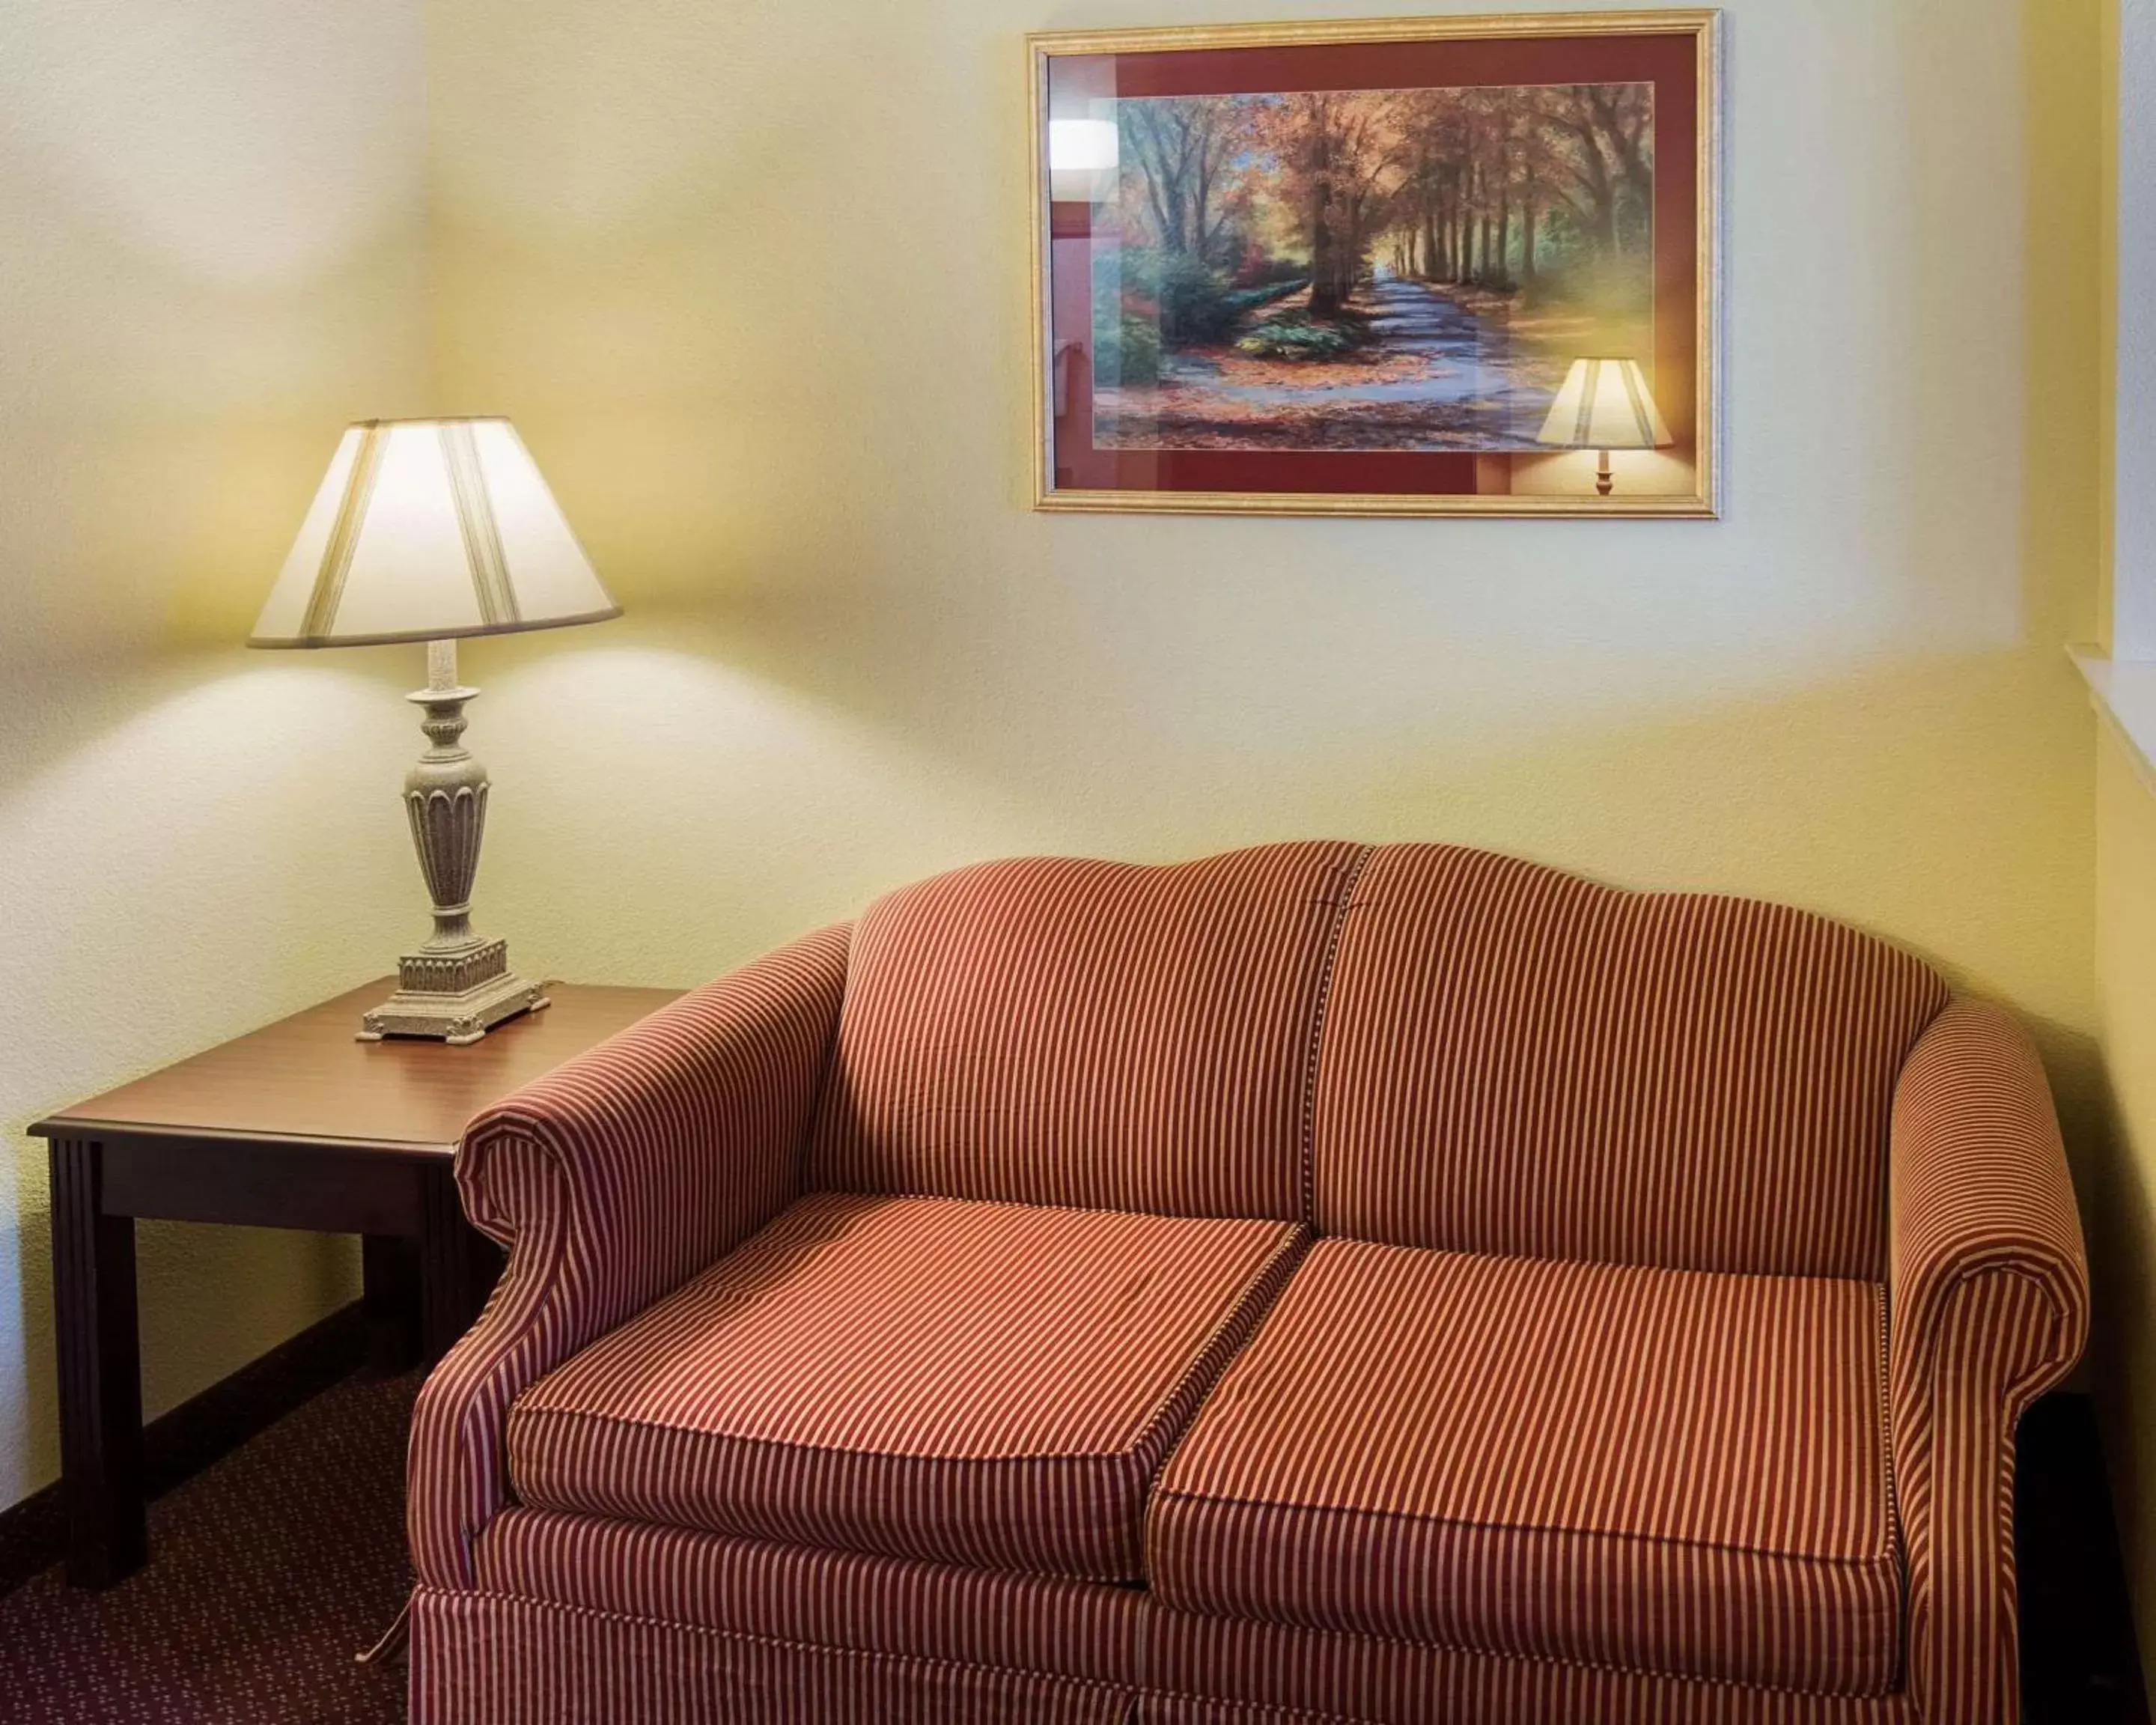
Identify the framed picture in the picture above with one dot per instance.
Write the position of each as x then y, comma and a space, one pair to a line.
1415, 266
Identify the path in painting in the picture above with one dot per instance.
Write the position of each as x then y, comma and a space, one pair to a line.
1436, 376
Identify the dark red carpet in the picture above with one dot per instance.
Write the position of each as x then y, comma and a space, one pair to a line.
268, 1572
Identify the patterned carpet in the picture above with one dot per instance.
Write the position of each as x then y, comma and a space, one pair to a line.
270, 1572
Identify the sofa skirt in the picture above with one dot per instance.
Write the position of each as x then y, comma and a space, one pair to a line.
579, 1621
479, 1659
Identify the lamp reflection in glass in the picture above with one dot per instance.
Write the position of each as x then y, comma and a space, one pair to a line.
1083, 154
432, 530
1605, 405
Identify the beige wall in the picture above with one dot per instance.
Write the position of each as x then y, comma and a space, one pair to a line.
211, 252
753, 280
2122, 1210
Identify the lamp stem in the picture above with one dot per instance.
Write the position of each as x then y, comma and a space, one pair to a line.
445, 795
459, 984
1605, 482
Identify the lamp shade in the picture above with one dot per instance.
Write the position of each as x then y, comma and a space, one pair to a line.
1605, 404
426, 529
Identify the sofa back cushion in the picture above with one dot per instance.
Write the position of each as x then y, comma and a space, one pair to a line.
1518, 1061
1100, 1034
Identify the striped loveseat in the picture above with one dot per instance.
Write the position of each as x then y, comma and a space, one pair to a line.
1323, 1282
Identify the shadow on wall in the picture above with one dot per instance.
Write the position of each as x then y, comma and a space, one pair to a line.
189, 847
215, 217
1918, 799
2118, 1202
2121, 1210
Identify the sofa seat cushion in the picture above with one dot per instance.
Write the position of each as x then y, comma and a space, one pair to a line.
1671, 1471
989, 1384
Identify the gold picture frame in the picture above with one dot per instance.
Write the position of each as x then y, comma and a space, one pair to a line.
1512, 479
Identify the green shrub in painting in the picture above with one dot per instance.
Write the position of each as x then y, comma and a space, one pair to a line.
1193, 300
1249, 299
1127, 340
1295, 336
1132, 354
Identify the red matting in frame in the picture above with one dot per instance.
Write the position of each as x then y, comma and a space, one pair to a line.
1668, 61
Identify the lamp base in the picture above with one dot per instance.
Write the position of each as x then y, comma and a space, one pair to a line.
458, 986
453, 996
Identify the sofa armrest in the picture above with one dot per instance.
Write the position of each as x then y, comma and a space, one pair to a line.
1988, 1302
612, 1181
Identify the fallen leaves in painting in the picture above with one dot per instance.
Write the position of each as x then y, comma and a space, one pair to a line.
1240, 370
1172, 418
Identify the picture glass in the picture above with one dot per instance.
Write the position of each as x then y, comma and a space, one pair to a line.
1319, 270
1329, 269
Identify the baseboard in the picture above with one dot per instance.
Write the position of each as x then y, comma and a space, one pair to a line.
179, 1444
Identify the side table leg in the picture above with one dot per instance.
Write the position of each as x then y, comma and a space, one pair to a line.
100, 1370
458, 1266
390, 1271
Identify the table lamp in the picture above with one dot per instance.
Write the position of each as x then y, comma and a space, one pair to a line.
1605, 404
430, 530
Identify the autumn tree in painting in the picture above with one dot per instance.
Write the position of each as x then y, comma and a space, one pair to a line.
1335, 158
1185, 148
1491, 167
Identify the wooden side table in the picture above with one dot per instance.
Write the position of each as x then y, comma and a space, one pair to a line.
294, 1125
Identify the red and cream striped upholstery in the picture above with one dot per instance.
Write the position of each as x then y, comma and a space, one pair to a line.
1234, 1670
1359, 1682
485, 1659
1585, 1411
618, 1572
1662, 1470
582, 1620
1092, 1034
1519, 1061
612, 1180
818, 1598
985, 1383
1989, 1293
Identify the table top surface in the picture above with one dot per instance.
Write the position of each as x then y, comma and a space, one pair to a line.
307, 1079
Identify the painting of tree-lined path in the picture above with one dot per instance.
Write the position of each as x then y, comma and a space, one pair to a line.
1367, 269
